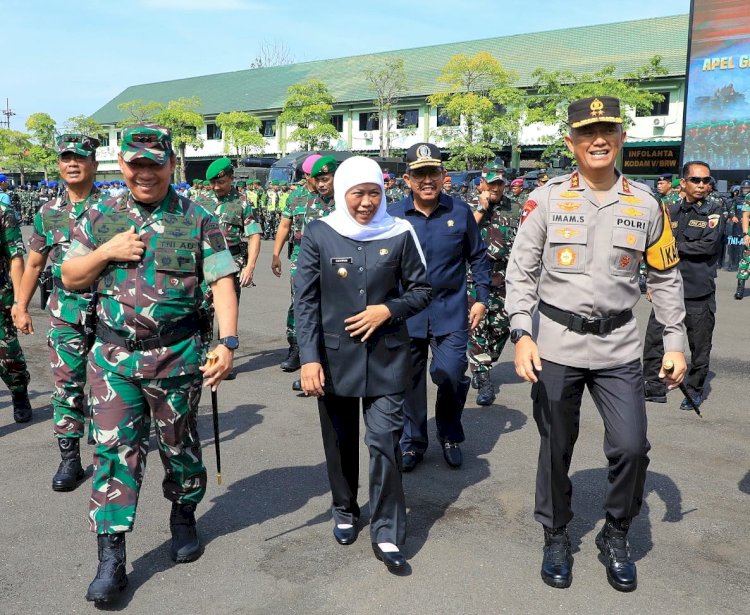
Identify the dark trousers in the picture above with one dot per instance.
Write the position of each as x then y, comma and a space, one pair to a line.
448, 372
618, 395
339, 424
700, 318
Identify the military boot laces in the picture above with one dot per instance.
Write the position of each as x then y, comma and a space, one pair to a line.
612, 541
70, 470
291, 363
110, 577
557, 563
486, 395
21, 407
186, 545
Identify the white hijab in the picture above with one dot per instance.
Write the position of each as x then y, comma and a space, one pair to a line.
362, 170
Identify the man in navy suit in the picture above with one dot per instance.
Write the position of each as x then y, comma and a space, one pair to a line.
450, 240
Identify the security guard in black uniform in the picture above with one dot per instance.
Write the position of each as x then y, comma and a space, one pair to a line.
698, 228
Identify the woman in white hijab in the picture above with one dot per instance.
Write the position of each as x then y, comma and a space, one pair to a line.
360, 274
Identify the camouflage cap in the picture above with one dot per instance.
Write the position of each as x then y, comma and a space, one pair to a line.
493, 172
323, 165
78, 143
146, 141
219, 168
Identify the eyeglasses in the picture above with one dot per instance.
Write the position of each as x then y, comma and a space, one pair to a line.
429, 172
699, 180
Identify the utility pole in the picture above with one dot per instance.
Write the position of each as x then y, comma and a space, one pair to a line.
7, 112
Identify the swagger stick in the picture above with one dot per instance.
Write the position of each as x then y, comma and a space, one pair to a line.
211, 358
668, 369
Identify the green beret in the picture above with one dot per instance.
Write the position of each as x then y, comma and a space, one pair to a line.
676, 181
219, 168
206, 182
196, 181
275, 182
326, 164
241, 184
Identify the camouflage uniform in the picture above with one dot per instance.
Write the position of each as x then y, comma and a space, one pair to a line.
394, 195
235, 215
159, 295
743, 271
498, 227
12, 362
67, 342
271, 206
517, 201
304, 212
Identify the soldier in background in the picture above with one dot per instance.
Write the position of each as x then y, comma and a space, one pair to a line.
146, 361
517, 194
13, 369
69, 340
743, 270
498, 219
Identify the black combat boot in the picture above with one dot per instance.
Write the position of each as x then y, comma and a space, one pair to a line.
612, 541
110, 577
21, 407
557, 563
186, 545
70, 470
291, 363
486, 395
740, 292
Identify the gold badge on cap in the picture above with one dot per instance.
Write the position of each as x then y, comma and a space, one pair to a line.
597, 108
451, 223
423, 151
383, 251
342, 272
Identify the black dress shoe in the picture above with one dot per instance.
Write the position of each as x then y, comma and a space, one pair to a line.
655, 392
21, 407
410, 459
452, 454
686, 405
345, 536
297, 385
557, 563
612, 541
393, 560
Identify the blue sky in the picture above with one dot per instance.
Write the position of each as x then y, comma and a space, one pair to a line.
70, 58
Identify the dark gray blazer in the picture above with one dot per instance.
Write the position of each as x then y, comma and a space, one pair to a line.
337, 278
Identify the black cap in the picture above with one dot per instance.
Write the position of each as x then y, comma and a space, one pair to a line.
592, 110
423, 155
665, 177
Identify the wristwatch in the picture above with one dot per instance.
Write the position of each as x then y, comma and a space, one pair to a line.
230, 341
517, 334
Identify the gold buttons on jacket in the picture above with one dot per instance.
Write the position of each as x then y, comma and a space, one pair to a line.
342, 272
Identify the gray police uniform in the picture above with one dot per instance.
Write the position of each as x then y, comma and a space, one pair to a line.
577, 256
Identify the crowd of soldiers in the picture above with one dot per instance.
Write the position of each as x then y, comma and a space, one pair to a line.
218, 223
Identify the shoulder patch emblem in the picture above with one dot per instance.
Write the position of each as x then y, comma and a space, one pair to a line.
713, 220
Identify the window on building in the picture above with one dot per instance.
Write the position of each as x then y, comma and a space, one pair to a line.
213, 132
118, 137
443, 119
659, 108
338, 122
103, 140
369, 121
408, 118
268, 128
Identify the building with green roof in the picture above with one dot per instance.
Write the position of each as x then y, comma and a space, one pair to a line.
262, 91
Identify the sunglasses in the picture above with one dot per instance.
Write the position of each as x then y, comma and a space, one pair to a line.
699, 180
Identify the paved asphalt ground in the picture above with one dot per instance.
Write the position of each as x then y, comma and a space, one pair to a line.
473, 545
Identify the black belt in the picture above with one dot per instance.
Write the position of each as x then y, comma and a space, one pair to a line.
581, 324
181, 330
59, 283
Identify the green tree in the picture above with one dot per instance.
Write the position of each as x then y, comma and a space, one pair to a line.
138, 112
308, 106
554, 90
241, 131
478, 96
182, 118
387, 83
16, 152
43, 129
85, 125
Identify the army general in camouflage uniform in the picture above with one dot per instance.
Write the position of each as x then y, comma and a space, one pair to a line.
12, 362
498, 222
147, 253
67, 339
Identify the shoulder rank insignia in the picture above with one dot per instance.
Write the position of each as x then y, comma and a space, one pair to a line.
631, 211
625, 185
575, 181
567, 206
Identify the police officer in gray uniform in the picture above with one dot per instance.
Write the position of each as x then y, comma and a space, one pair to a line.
576, 256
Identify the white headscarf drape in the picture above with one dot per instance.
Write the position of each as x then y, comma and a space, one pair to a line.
362, 170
